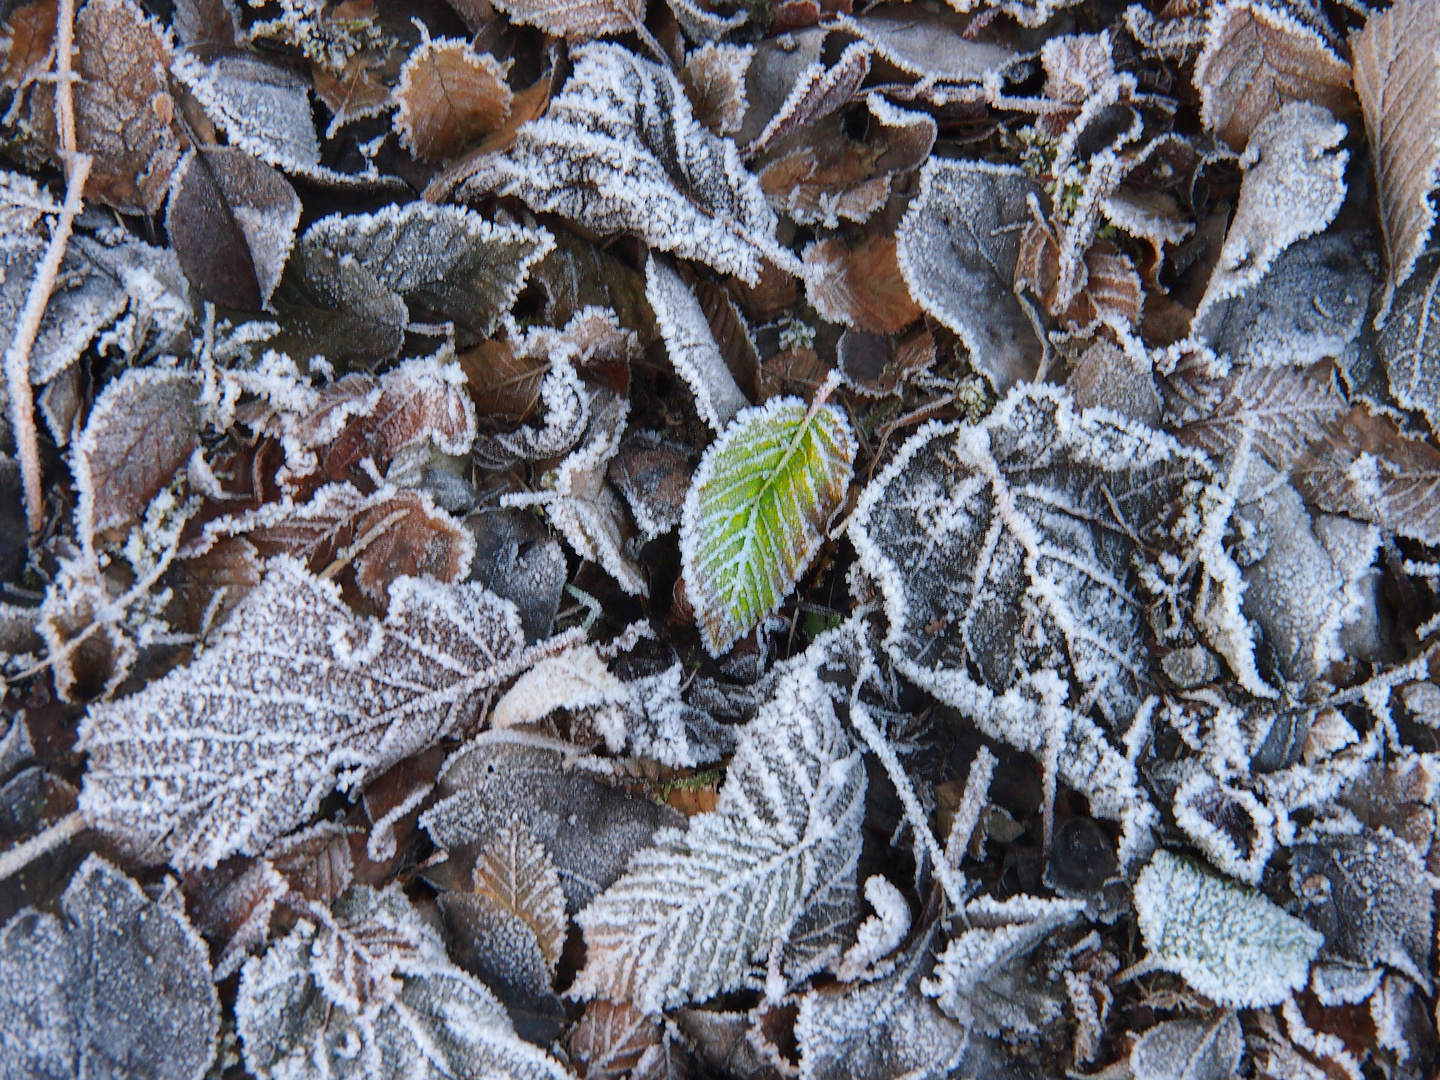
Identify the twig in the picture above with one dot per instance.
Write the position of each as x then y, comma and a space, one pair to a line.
22, 855
27, 328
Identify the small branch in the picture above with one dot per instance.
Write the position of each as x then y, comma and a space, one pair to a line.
22, 855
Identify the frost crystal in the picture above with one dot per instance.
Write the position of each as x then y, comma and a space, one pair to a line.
770, 872
1228, 942
294, 696
620, 150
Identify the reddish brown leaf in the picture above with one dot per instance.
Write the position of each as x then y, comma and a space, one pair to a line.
732, 335
28, 42
714, 78
516, 874
232, 906
860, 287
450, 97
828, 178
232, 564
411, 538
610, 1040
315, 861
504, 386
396, 795
528, 104
361, 89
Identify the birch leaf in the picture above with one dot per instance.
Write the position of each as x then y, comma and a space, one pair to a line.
450, 96
751, 879
1256, 58
758, 511
583, 21
1410, 344
1228, 942
621, 151
339, 700
958, 246
691, 346
119, 987
1397, 75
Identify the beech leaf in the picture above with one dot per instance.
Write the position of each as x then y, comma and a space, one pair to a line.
515, 872
339, 698
714, 78
577, 21
758, 511
450, 96
859, 287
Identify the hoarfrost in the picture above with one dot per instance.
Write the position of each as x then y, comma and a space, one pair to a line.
691, 346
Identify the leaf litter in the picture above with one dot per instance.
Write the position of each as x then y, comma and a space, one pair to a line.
712, 539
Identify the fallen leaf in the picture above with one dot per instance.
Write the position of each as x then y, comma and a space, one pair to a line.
859, 287
449, 96
714, 78
27, 40
577, 21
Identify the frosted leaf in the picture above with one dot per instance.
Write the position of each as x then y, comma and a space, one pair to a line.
818, 92
691, 346
1003, 549
264, 109
611, 1039
881, 1030
141, 431
620, 151
653, 474
1228, 942
1366, 468
1283, 409
1031, 13
879, 935
120, 986
446, 261
518, 560
958, 246
515, 872
1293, 188
339, 698
777, 65
1119, 380
1397, 75
756, 878
922, 43
1310, 305
27, 37
583, 506
714, 78
316, 861
450, 96
1189, 1050
22, 203
370, 994
971, 980
702, 24
859, 287
1307, 585
577, 21
588, 829
231, 221
1258, 57
758, 510
1410, 343
1371, 897
233, 908
1232, 827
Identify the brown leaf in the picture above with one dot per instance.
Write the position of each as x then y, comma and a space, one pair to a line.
28, 42
504, 384
1366, 468
526, 105
829, 178
232, 564
232, 906
653, 475
610, 1039
577, 275
361, 88
1110, 286
798, 371
819, 92
124, 111
1256, 59
879, 364
232, 222
1397, 74
516, 873
732, 335
315, 861
860, 287
450, 96
395, 798
714, 79
577, 20
141, 431
766, 301
415, 538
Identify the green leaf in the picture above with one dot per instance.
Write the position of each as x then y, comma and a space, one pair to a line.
757, 512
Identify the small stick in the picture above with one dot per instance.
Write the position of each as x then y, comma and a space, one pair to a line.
22, 855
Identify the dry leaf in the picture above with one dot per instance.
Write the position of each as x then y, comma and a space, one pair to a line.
611, 1038
691, 346
1257, 58
316, 861
818, 92
503, 382
859, 287
582, 21
653, 475
1410, 344
1397, 75
231, 221
449, 96
234, 904
930, 45
27, 41
515, 873
714, 78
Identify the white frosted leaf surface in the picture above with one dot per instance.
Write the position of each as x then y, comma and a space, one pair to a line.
921, 43
758, 510
691, 345
620, 151
1410, 343
881, 933
958, 246
1189, 1050
1228, 942
1231, 826
293, 696
774, 863
119, 987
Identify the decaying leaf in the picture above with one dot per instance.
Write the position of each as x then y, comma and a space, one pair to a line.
714, 78
27, 39
860, 287
1189, 1050
932, 46
370, 993
653, 475
119, 986
231, 221
518, 560
293, 659
664, 176
515, 873
578, 22
958, 247
758, 511
770, 872
818, 92
1228, 942
691, 346
611, 1040
1397, 75
450, 97
1257, 57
